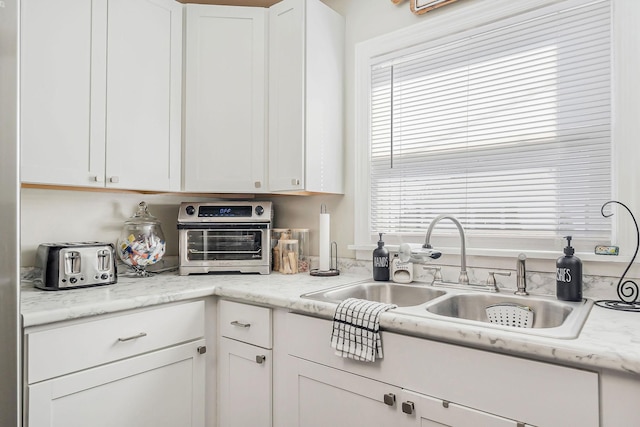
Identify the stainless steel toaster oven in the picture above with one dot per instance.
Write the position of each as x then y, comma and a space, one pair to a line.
225, 237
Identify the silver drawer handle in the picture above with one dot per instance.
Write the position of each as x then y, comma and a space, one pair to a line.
408, 407
389, 399
133, 337
240, 324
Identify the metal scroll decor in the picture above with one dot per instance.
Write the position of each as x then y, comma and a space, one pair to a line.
627, 289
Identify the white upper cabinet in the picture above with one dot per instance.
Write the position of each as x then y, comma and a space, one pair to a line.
144, 94
61, 143
101, 93
306, 57
225, 108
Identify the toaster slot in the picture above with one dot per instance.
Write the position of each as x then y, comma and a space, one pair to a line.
104, 260
72, 261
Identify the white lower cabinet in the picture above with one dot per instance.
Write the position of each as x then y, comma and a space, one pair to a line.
426, 383
330, 397
359, 401
425, 411
163, 388
244, 384
244, 365
133, 370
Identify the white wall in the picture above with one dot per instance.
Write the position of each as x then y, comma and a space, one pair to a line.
73, 216
76, 216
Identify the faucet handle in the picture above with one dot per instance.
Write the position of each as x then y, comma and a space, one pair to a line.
491, 280
437, 272
521, 279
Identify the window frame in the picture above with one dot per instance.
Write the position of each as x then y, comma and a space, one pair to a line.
476, 14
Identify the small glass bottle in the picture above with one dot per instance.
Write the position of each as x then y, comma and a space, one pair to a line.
289, 251
302, 236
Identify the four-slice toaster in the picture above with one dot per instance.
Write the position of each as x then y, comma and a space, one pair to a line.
75, 265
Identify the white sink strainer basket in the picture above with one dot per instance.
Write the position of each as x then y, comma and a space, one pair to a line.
510, 314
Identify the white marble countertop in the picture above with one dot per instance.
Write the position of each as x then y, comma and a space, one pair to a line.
609, 339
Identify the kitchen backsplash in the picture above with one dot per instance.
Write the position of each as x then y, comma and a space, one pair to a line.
596, 287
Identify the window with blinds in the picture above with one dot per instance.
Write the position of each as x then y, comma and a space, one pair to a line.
507, 128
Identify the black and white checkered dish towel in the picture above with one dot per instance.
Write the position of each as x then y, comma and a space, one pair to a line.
356, 329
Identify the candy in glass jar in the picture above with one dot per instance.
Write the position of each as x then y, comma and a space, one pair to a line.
141, 241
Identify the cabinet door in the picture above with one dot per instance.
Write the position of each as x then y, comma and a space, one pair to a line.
306, 68
225, 111
62, 103
143, 118
330, 397
244, 384
161, 389
324, 90
286, 95
426, 411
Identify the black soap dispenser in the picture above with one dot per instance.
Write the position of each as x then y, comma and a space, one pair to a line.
380, 262
569, 275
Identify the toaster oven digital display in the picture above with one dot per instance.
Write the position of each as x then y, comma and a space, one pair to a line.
225, 211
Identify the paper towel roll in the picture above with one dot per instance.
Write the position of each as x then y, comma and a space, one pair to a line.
325, 242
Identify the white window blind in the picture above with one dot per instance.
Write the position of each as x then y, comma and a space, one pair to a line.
508, 129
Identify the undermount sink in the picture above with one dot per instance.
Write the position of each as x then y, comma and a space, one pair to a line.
386, 292
551, 317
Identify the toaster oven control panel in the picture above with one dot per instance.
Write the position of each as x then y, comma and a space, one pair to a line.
239, 211
225, 211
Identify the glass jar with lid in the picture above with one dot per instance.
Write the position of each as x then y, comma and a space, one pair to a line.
141, 241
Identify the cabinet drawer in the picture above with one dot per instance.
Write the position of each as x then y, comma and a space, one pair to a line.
65, 349
246, 323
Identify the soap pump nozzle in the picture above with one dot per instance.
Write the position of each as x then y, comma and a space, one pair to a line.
380, 242
569, 251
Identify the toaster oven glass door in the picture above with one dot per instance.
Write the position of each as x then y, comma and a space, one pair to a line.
226, 242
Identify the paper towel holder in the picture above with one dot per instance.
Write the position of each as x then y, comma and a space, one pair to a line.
333, 264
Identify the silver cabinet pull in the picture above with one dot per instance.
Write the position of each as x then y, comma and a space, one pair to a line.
240, 324
408, 407
96, 178
389, 399
202, 349
295, 181
114, 179
445, 403
261, 358
133, 337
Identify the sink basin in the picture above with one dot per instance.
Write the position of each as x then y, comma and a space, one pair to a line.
551, 317
391, 293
